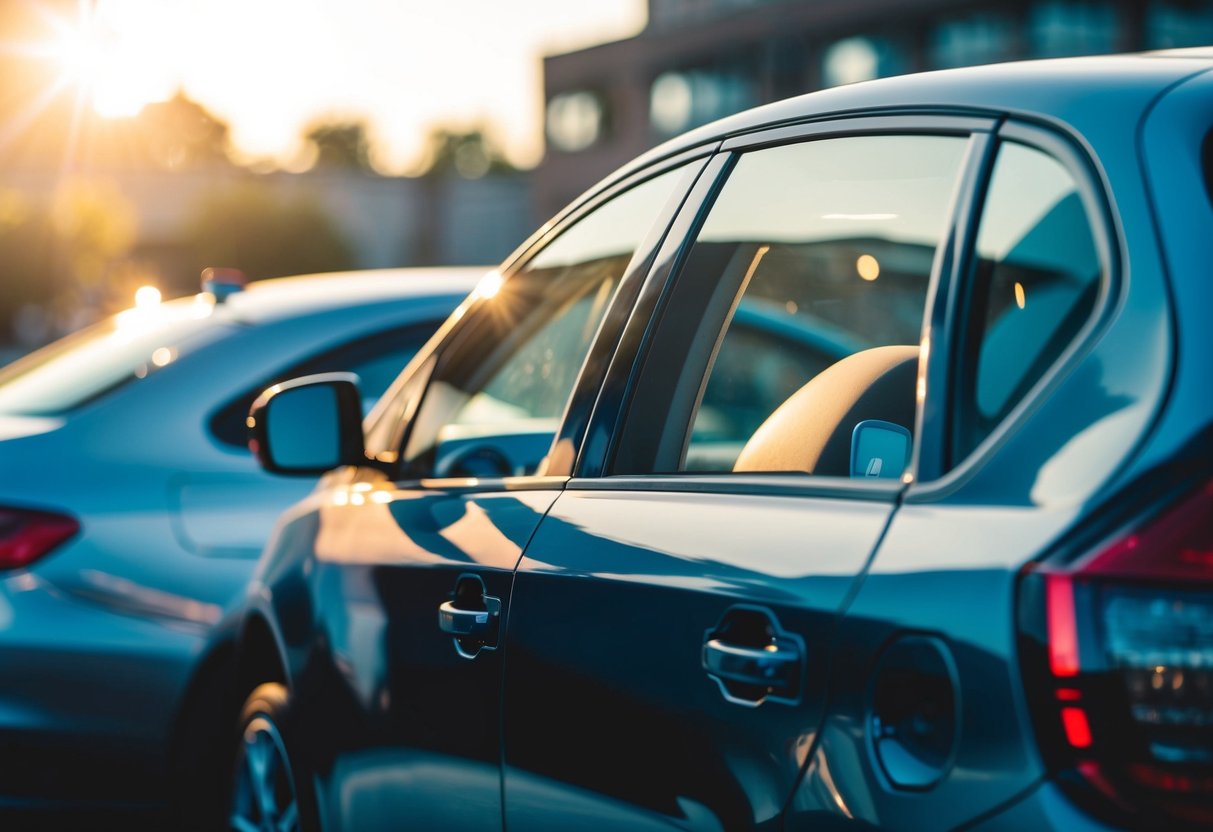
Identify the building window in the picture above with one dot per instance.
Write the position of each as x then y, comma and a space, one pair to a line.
860, 59
680, 99
976, 39
575, 120
1170, 25
1059, 28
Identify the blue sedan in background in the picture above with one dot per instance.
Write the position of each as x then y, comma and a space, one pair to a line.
131, 513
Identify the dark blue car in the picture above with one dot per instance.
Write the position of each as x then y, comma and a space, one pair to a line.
614, 553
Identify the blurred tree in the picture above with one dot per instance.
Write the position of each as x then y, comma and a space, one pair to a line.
248, 228
180, 133
467, 153
94, 225
341, 145
27, 263
60, 263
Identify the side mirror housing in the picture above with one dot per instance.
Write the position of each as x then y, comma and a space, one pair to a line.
308, 425
879, 450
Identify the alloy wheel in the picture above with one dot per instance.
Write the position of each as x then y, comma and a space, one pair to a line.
264, 798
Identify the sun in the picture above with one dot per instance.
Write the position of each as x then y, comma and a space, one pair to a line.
112, 55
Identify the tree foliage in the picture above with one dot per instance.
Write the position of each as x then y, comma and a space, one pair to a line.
467, 153
341, 145
249, 228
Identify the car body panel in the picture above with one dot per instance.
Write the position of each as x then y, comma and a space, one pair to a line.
611, 606
398, 700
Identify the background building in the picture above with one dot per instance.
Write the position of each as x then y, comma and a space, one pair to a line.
698, 60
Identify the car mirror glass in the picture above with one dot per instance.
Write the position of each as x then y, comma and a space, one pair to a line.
879, 450
303, 427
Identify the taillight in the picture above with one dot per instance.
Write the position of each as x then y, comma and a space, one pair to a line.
1118, 658
27, 535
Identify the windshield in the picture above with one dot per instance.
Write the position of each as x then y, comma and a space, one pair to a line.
74, 370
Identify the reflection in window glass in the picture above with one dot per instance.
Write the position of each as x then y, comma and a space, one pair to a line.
832, 243
87, 364
500, 391
1036, 282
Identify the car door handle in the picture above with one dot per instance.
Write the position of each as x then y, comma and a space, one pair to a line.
774, 667
465, 623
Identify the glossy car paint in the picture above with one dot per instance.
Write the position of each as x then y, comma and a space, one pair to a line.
610, 719
411, 714
105, 640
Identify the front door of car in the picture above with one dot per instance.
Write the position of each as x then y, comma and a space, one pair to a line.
416, 562
673, 620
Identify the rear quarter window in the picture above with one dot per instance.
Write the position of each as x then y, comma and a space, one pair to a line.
1035, 282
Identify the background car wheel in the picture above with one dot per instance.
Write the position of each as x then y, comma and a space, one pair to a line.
268, 790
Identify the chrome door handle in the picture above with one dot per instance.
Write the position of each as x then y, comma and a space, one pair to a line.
465, 623
774, 667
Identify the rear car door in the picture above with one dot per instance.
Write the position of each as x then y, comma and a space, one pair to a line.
1051, 366
413, 568
672, 625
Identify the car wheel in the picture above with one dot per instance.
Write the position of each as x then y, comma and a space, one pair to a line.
269, 792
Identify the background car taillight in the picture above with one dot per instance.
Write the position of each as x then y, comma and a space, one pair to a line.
26, 536
1117, 645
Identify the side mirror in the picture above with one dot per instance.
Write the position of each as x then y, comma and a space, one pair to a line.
879, 450
308, 425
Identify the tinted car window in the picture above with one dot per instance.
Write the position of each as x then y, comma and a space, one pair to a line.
376, 359
493, 404
814, 251
1035, 283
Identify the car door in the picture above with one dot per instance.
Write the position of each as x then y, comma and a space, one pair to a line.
414, 567
673, 620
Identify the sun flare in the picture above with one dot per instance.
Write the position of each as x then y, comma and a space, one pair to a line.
113, 57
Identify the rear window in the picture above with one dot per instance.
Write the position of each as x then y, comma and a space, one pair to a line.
113, 353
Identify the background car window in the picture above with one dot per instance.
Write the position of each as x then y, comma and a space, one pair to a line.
494, 402
88, 364
376, 359
823, 250
1035, 283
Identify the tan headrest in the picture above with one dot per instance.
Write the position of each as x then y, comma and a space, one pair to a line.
811, 430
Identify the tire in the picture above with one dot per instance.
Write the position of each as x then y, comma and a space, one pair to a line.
269, 789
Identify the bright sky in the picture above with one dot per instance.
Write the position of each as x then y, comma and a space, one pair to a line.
269, 67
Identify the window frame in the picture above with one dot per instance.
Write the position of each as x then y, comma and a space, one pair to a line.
461, 328
943, 474
600, 453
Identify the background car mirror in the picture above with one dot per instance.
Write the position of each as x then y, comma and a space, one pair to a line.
308, 425
879, 450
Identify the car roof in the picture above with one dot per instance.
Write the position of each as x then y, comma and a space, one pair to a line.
1058, 89
267, 300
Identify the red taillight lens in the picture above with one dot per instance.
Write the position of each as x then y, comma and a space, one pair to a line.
1119, 661
26, 536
